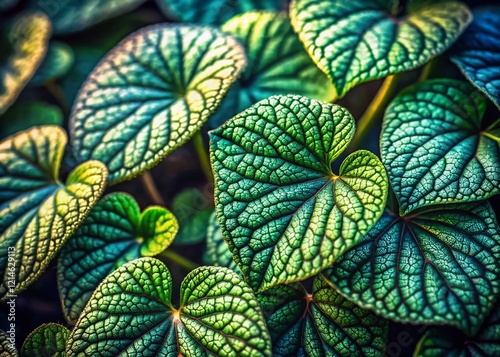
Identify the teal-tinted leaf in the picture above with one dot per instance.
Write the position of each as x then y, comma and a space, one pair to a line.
439, 342
357, 41
37, 212
477, 53
29, 38
434, 147
441, 266
23, 116
217, 252
131, 314
215, 11
46, 341
321, 324
56, 64
285, 215
150, 94
277, 64
7, 4
192, 209
7, 347
114, 233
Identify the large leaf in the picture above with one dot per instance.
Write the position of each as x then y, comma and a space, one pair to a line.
277, 64
37, 212
56, 64
434, 147
7, 347
477, 53
360, 40
217, 252
215, 11
321, 324
114, 233
150, 94
131, 314
46, 341
29, 38
285, 214
440, 266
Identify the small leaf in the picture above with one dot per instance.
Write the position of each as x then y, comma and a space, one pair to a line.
56, 64
321, 324
37, 212
46, 341
360, 40
192, 209
29, 38
440, 266
131, 313
217, 252
285, 215
277, 64
8, 347
477, 53
434, 148
114, 233
150, 94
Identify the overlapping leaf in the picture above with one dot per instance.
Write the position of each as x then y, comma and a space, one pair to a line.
277, 64
57, 62
321, 324
434, 147
361, 40
285, 215
46, 341
440, 266
7, 349
150, 94
29, 38
37, 212
477, 53
114, 233
192, 210
131, 314
217, 252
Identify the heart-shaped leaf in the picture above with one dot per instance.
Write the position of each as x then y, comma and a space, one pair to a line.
7, 344
114, 233
477, 53
217, 252
439, 342
29, 39
71, 16
440, 266
361, 40
285, 215
434, 147
150, 94
215, 11
277, 64
192, 209
37, 212
46, 341
321, 324
56, 64
131, 314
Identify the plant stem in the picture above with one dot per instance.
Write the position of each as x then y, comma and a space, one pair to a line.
179, 259
151, 189
203, 156
427, 70
58, 95
374, 110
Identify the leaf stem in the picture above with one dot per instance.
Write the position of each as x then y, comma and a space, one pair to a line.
427, 70
203, 156
56, 91
179, 259
151, 189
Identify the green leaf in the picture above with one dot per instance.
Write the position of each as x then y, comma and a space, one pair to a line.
217, 252
192, 209
477, 53
215, 11
131, 314
360, 40
321, 324
56, 64
48, 340
29, 39
114, 233
277, 64
22, 116
150, 94
445, 342
37, 212
285, 215
434, 148
7, 348
440, 266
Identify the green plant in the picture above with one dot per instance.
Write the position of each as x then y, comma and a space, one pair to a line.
293, 193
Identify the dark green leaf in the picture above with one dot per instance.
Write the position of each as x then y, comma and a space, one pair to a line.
56, 64
359, 40
192, 209
285, 215
7, 347
150, 94
217, 252
46, 341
